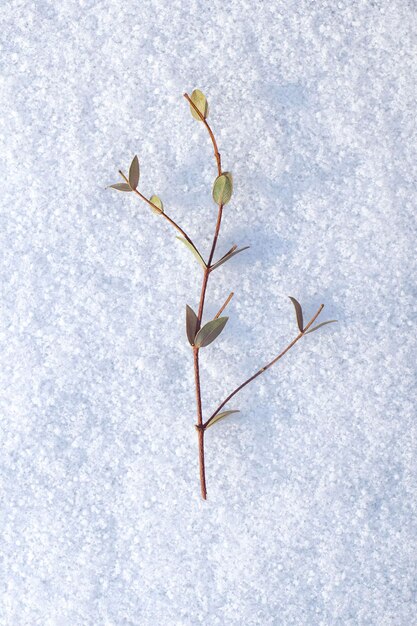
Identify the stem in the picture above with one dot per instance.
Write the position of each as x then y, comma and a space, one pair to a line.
200, 426
210, 132
162, 213
222, 308
265, 367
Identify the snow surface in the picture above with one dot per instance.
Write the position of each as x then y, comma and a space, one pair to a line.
311, 516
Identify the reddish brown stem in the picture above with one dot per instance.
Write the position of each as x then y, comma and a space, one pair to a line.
162, 213
210, 132
222, 308
265, 367
200, 426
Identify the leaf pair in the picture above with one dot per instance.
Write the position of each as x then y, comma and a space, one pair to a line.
207, 334
300, 322
228, 256
133, 178
134, 172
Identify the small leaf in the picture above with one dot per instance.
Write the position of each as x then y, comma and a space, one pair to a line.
209, 332
191, 320
157, 202
228, 256
311, 330
193, 250
199, 99
221, 416
223, 188
298, 313
134, 173
121, 187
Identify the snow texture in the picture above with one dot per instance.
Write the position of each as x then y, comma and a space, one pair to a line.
311, 517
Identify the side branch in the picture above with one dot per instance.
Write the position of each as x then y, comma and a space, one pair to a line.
210, 132
263, 369
222, 308
163, 214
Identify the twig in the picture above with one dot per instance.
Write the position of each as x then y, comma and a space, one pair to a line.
263, 369
222, 308
162, 213
200, 337
203, 119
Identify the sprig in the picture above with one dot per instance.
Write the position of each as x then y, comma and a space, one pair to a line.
199, 334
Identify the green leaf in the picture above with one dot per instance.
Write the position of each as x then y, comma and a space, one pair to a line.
199, 99
158, 203
134, 173
193, 250
221, 416
121, 187
223, 188
209, 332
228, 256
311, 330
298, 313
191, 320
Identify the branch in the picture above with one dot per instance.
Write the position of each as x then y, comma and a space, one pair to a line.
162, 213
263, 369
230, 296
203, 119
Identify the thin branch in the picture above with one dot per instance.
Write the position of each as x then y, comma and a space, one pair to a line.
263, 369
162, 213
206, 124
230, 296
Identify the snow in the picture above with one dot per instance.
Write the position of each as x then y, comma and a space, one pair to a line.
311, 511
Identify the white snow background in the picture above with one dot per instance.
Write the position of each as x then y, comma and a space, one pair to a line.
311, 511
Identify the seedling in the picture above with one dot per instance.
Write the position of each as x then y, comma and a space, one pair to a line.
200, 334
